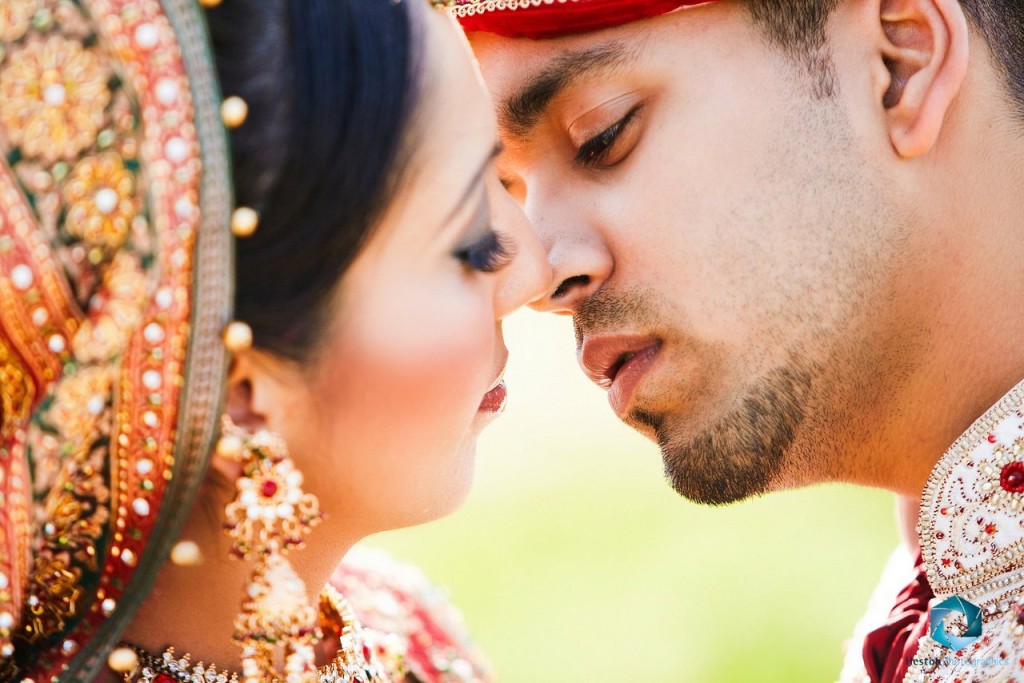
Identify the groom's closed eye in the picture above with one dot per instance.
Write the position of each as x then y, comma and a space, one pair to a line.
611, 145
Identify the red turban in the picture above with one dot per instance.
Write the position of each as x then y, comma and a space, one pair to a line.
553, 18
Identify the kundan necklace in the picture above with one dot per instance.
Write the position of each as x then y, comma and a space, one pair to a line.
355, 661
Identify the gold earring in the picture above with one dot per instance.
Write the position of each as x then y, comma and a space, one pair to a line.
270, 516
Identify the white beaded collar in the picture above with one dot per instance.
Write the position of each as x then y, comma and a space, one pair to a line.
971, 523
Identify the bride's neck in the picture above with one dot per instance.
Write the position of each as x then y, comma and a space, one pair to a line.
192, 608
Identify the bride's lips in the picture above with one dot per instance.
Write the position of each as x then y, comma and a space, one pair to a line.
618, 364
495, 397
494, 400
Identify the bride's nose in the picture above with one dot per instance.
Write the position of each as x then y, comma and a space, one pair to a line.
528, 277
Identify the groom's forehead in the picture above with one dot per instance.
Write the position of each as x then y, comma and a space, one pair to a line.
525, 76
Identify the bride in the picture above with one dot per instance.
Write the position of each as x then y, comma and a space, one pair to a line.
197, 426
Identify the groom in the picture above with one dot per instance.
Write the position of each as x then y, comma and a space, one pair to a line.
791, 237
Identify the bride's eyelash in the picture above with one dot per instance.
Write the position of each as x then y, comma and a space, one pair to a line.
489, 254
594, 150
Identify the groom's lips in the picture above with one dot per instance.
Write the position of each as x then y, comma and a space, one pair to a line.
618, 363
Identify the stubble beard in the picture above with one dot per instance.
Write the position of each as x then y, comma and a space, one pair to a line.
741, 454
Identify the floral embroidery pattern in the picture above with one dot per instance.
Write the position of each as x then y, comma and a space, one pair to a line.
79, 402
15, 18
99, 197
52, 97
117, 311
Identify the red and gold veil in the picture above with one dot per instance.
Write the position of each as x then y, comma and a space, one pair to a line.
115, 282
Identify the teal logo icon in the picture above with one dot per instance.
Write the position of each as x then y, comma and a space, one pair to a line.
939, 627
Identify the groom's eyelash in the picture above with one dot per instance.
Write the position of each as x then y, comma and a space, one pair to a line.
596, 148
489, 254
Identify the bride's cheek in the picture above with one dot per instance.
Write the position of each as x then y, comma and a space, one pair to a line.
417, 362
400, 390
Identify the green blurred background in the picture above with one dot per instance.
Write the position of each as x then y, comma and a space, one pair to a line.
573, 561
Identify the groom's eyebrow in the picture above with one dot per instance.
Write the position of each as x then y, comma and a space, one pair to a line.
521, 111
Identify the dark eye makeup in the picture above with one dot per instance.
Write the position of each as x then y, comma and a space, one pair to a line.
488, 254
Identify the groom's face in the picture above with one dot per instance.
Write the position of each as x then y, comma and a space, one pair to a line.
716, 229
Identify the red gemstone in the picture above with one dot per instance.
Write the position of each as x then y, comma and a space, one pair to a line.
1012, 477
269, 488
946, 562
367, 653
990, 528
991, 438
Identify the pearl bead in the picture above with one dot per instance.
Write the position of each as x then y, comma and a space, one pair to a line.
147, 36
21, 277
237, 336
233, 111
122, 660
141, 507
186, 554
244, 221
229, 446
176, 150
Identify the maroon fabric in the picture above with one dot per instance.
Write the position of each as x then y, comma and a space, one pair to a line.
889, 649
561, 17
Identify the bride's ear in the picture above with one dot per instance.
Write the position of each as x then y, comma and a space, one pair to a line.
239, 401
924, 47
261, 389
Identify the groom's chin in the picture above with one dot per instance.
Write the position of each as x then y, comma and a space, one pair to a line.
723, 464
741, 453
714, 483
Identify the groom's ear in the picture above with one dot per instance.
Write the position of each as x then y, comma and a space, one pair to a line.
923, 45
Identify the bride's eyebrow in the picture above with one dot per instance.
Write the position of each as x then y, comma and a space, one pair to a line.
474, 183
521, 110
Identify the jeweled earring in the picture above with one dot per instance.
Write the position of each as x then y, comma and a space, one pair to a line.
270, 516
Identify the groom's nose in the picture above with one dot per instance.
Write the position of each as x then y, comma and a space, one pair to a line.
577, 252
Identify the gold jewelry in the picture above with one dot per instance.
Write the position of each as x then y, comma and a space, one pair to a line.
354, 662
269, 517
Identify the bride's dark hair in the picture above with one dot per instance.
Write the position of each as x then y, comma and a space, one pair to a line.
331, 85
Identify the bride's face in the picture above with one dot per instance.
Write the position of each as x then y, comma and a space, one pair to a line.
384, 420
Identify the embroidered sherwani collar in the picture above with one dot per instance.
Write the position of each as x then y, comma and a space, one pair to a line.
971, 522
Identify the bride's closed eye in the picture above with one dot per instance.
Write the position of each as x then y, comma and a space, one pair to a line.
488, 254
